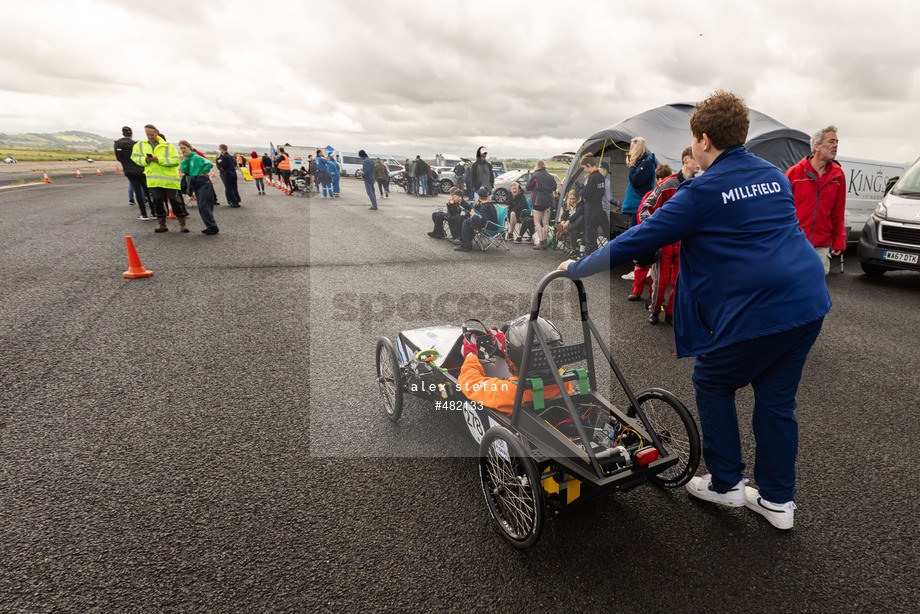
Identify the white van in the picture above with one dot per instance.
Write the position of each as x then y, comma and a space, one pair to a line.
300, 156
351, 164
866, 181
891, 238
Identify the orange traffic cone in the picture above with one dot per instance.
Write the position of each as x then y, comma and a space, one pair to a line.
79, 174
171, 216
45, 178
135, 268
116, 169
98, 172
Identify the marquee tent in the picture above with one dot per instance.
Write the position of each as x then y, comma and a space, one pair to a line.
666, 130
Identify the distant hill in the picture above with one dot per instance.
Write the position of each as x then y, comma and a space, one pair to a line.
72, 140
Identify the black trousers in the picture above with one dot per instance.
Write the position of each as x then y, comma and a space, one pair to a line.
139, 184
592, 210
466, 239
230, 188
158, 198
439, 217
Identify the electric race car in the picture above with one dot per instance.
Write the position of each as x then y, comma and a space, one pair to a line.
554, 450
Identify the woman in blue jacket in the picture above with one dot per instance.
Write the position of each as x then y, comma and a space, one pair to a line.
641, 164
749, 305
323, 174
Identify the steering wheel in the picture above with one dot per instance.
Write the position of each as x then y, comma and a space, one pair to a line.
487, 346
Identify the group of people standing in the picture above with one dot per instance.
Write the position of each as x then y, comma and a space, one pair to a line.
153, 168
159, 173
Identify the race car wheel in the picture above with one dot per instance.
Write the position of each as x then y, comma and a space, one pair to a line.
389, 379
677, 431
511, 486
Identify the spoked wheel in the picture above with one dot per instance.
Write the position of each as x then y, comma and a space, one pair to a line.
677, 431
511, 486
389, 379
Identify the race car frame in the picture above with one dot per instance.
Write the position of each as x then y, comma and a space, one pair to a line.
550, 452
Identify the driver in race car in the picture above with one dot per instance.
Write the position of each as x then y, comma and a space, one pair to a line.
496, 392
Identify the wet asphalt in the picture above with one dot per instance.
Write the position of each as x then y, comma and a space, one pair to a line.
210, 439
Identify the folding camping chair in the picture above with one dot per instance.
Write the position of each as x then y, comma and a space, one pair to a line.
511, 232
493, 235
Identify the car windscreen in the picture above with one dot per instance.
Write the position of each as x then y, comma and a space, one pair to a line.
909, 185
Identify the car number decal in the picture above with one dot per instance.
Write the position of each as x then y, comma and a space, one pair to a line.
473, 423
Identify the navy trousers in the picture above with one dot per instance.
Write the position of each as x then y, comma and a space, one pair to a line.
230, 188
772, 365
369, 186
204, 192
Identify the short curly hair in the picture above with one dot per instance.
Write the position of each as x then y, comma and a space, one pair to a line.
725, 119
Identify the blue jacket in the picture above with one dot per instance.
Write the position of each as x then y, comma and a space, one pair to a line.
746, 268
367, 168
641, 181
322, 170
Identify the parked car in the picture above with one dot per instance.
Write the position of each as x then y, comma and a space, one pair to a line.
447, 179
890, 240
9, 160
866, 182
501, 191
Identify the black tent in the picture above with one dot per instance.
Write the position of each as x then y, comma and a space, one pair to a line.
666, 130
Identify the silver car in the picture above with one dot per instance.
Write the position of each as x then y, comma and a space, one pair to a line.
501, 191
890, 239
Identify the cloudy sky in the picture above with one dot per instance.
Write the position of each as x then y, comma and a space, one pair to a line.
524, 79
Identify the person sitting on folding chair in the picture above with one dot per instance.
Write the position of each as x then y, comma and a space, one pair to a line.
453, 216
485, 213
571, 227
518, 210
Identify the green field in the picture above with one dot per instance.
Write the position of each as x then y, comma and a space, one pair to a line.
52, 155
557, 168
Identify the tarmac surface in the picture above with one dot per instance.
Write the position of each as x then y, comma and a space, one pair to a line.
210, 439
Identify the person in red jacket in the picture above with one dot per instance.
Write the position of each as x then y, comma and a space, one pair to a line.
641, 274
665, 271
496, 392
820, 191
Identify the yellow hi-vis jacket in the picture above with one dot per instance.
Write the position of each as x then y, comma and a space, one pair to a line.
164, 173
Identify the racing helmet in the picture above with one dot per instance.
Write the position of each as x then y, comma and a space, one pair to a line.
516, 334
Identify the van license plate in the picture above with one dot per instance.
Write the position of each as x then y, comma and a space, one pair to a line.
901, 257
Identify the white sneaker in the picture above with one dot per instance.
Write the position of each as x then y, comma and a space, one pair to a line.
701, 488
629, 276
779, 515
143, 217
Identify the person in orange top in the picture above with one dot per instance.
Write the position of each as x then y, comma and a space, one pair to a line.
496, 392
255, 169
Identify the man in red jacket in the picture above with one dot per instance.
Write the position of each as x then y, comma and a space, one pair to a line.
820, 190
